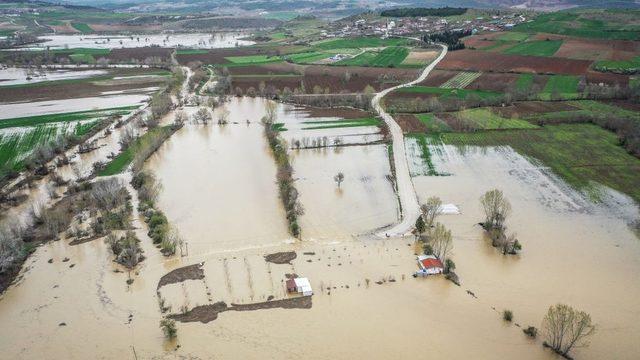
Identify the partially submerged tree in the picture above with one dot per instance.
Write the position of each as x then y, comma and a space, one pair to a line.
441, 242
566, 328
202, 116
420, 226
339, 178
430, 210
496, 209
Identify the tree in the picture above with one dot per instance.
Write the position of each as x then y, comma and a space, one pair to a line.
202, 116
420, 226
271, 112
496, 209
449, 266
441, 241
430, 210
339, 178
565, 328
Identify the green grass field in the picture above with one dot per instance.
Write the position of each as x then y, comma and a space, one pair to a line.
433, 124
15, 147
82, 58
252, 59
363, 42
423, 141
119, 163
535, 48
563, 86
625, 66
307, 57
579, 153
524, 82
313, 125
485, 119
620, 25
513, 36
449, 93
392, 56
82, 27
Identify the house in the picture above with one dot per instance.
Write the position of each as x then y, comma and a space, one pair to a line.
299, 285
429, 265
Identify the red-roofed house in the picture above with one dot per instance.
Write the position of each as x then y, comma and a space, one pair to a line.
429, 265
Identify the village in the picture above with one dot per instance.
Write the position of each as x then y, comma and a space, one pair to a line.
367, 25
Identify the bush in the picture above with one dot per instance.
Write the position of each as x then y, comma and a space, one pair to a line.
169, 328
507, 315
531, 331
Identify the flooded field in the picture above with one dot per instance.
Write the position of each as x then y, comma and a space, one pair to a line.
200, 41
34, 108
219, 191
566, 240
229, 200
19, 76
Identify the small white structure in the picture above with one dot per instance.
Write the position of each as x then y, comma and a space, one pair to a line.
300, 285
449, 209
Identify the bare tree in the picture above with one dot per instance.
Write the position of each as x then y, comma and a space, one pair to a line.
108, 194
496, 209
339, 178
271, 109
441, 242
126, 138
180, 118
223, 117
430, 210
202, 116
566, 328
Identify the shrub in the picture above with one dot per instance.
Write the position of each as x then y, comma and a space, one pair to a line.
169, 328
507, 315
531, 331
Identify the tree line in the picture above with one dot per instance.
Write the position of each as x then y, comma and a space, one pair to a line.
415, 12
451, 38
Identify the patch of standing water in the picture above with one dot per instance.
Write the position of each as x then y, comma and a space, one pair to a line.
194, 40
19, 76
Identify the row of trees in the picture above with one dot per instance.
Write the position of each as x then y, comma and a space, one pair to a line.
415, 12
288, 192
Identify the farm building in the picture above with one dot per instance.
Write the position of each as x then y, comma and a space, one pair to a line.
429, 265
299, 285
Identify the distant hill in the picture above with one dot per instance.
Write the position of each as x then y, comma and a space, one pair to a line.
341, 5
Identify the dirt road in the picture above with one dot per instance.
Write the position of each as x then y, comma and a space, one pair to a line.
406, 192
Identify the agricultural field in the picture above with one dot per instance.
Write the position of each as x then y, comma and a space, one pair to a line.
561, 86
82, 27
485, 119
461, 80
447, 93
389, 57
535, 48
596, 24
631, 66
334, 124
433, 124
580, 154
16, 144
362, 42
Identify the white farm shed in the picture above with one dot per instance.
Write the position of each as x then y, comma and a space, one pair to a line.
303, 286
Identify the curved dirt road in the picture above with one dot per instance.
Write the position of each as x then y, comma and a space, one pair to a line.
406, 192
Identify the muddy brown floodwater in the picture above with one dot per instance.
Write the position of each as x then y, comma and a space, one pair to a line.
575, 252
219, 191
